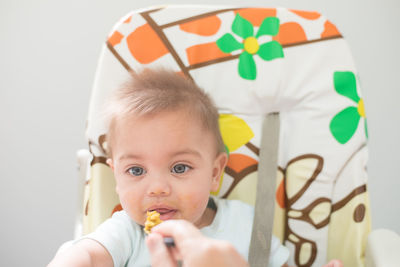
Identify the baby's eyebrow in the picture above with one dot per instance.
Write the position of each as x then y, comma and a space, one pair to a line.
173, 154
187, 152
128, 156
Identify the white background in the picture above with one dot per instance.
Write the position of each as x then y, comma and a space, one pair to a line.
48, 56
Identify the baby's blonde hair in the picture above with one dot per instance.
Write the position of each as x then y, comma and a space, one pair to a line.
156, 90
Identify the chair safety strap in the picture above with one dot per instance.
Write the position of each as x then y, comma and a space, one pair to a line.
260, 244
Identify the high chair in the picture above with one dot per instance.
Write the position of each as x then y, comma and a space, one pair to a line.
291, 115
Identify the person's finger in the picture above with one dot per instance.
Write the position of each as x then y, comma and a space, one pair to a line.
186, 236
197, 250
178, 229
334, 263
160, 255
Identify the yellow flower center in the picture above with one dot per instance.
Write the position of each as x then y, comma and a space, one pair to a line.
360, 108
251, 45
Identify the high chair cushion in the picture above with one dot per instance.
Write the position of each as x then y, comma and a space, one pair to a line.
254, 61
383, 249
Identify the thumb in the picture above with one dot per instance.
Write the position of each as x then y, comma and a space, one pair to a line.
334, 263
159, 253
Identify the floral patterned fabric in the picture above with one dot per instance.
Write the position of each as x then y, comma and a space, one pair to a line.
254, 61
249, 44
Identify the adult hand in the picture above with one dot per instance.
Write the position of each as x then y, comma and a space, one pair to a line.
334, 263
191, 247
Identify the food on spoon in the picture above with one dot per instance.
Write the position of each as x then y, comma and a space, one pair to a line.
153, 218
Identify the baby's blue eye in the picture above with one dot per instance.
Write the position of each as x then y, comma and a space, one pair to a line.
136, 171
180, 168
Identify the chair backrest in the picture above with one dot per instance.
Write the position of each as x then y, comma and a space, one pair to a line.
256, 61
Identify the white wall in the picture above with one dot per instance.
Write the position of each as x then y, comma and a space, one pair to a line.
48, 55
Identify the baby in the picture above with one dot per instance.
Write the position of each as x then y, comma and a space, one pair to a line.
167, 155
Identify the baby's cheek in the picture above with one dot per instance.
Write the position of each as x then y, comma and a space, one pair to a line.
136, 216
196, 202
132, 209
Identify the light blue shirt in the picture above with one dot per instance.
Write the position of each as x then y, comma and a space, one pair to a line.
125, 240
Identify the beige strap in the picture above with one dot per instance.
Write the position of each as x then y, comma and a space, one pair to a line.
260, 244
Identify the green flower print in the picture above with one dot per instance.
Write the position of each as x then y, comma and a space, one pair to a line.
250, 45
345, 123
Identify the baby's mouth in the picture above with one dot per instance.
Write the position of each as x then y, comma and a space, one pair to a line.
165, 213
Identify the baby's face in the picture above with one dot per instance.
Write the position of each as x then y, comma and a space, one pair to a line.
165, 162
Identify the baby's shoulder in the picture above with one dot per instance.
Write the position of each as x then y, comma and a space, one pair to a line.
236, 209
121, 217
234, 204
121, 221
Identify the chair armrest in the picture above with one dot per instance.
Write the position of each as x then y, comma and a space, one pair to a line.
383, 249
83, 157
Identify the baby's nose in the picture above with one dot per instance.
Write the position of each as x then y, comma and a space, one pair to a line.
159, 186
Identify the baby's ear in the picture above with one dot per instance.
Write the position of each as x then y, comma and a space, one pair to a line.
110, 163
219, 166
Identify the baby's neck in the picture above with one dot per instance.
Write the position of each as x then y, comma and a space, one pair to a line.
207, 218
